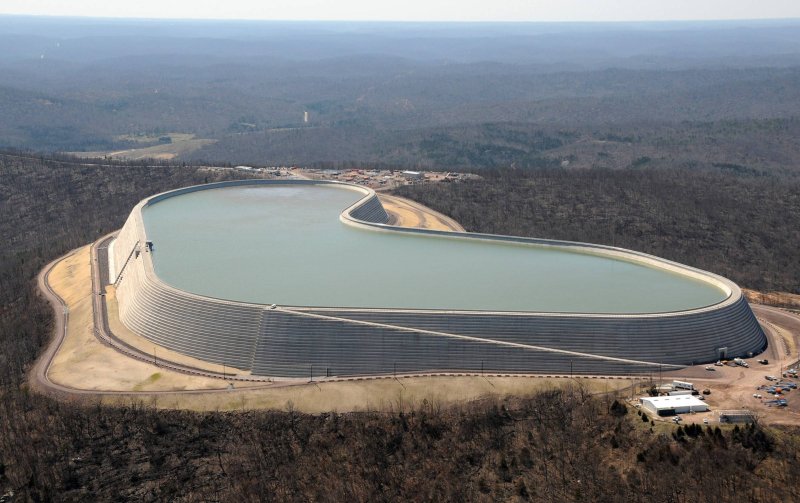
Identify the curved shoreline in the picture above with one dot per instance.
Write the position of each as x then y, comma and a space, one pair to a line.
148, 295
370, 201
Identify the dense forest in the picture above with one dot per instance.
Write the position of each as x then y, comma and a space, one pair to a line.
557, 446
742, 225
754, 146
445, 96
678, 139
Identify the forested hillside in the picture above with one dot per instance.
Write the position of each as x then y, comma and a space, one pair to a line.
434, 96
740, 224
556, 446
678, 139
49, 206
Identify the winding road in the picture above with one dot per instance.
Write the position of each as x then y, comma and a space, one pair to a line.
769, 316
102, 332
40, 371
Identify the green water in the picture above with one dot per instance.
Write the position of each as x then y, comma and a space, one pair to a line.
286, 245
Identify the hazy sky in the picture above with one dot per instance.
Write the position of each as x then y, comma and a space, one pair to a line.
414, 10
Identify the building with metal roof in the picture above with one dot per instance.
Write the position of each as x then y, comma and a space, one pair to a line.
671, 405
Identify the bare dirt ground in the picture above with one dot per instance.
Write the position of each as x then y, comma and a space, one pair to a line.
406, 213
84, 363
374, 394
732, 387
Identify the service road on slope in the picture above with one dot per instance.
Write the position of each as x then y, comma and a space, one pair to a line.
86, 359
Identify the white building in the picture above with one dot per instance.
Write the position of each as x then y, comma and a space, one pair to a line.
413, 175
671, 405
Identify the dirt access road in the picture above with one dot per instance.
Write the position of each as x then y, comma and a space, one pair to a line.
732, 387
87, 361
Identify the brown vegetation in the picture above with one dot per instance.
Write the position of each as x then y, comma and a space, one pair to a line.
780, 299
743, 227
560, 445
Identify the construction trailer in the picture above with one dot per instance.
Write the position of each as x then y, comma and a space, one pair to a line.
672, 405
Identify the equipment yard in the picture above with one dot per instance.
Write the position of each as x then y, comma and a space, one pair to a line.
736, 387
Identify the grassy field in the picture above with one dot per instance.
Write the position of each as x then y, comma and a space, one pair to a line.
181, 144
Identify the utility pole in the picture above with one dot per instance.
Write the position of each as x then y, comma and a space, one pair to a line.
481, 368
570, 369
312, 373
155, 358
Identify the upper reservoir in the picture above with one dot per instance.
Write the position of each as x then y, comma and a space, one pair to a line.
285, 244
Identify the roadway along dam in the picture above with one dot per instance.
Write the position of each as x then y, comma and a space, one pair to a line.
262, 276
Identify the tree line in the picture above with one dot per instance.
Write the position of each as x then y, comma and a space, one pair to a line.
743, 227
558, 445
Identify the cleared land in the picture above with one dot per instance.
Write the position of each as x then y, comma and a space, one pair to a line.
407, 213
83, 362
181, 144
733, 387
374, 394
781, 299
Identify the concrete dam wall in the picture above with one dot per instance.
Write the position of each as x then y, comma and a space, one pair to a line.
287, 341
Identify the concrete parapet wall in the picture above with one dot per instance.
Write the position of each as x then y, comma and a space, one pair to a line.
289, 341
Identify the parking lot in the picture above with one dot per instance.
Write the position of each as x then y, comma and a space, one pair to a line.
765, 384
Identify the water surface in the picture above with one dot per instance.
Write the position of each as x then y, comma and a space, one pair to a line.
285, 245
